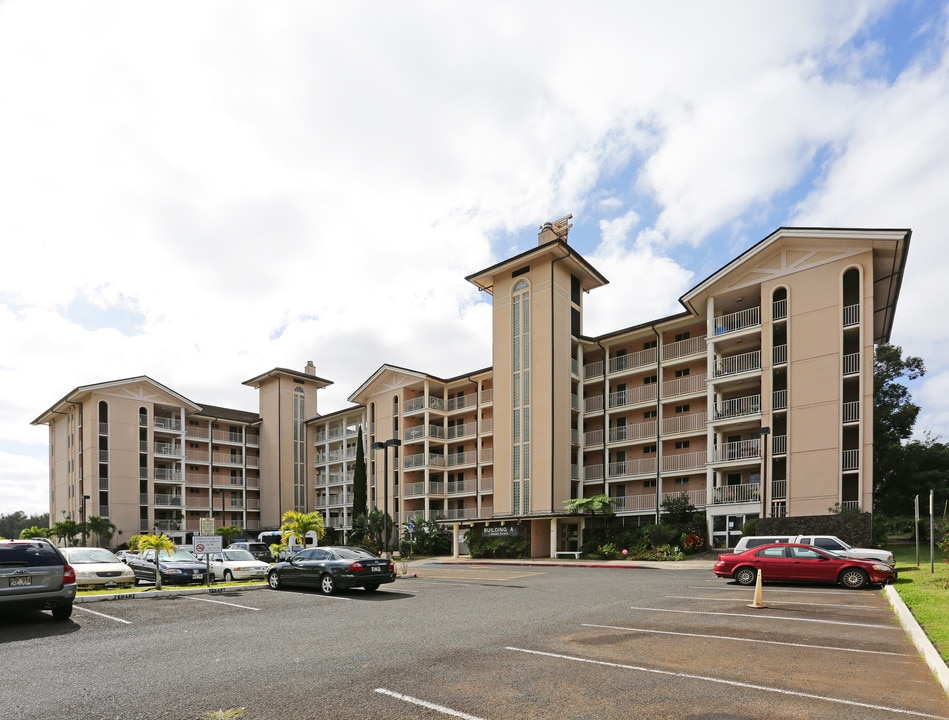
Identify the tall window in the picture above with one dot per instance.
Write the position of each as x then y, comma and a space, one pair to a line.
520, 406
299, 451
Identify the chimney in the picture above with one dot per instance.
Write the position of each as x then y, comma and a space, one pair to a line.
310, 368
556, 230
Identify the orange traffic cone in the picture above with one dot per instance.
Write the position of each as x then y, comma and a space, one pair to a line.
758, 602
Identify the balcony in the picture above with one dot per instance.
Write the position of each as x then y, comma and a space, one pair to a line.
850, 460
421, 460
684, 422
737, 407
779, 444
593, 370
631, 361
417, 404
730, 494
779, 355
462, 402
851, 412
736, 321
738, 450
635, 503
637, 431
779, 400
633, 468
737, 364
684, 348
688, 385
779, 309
635, 396
851, 364
682, 462
168, 424
851, 315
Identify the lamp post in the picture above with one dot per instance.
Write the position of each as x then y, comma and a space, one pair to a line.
764, 432
384, 446
85, 498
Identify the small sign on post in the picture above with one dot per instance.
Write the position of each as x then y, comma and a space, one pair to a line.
206, 526
207, 544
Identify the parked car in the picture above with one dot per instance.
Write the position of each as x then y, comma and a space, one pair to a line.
824, 542
97, 567
124, 555
794, 562
175, 567
258, 549
34, 575
231, 565
332, 568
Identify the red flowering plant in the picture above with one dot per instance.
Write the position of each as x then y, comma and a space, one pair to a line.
692, 543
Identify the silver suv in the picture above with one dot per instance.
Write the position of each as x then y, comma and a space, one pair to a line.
35, 576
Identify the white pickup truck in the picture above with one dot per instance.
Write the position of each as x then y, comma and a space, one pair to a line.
824, 542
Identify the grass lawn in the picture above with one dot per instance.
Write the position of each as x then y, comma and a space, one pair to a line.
925, 590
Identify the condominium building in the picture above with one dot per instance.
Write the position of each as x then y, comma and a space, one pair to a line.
755, 400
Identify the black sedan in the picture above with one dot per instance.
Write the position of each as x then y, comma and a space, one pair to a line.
177, 567
331, 569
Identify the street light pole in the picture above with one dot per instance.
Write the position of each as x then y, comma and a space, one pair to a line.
384, 446
764, 432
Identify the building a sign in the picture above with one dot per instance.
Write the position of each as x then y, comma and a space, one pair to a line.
503, 531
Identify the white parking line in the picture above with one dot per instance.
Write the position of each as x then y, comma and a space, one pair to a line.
782, 602
221, 602
425, 704
108, 617
748, 640
773, 617
733, 683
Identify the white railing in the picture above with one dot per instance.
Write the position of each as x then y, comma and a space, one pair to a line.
462, 402
632, 360
624, 433
745, 362
197, 433
851, 460
696, 497
851, 364
683, 461
735, 494
168, 499
593, 404
593, 437
738, 320
487, 396
779, 489
458, 431
779, 400
164, 423
779, 444
851, 315
635, 503
779, 355
633, 396
737, 450
689, 346
851, 411
458, 487
629, 468
683, 385
779, 309
684, 422
486, 455
593, 472
738, 407
593, 369
462, 458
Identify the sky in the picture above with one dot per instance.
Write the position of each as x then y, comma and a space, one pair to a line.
201, 192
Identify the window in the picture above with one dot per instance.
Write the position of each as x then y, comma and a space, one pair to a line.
682, 408
650, 379
682, 373
649, 449
649, 414
520, 384
682, 481
649, 483
682, 336
682, 444
650, 344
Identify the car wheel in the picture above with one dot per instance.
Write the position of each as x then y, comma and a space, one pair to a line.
62, 612
746, 576
228, 576
273, 580
327, 585
371, 587
854, 578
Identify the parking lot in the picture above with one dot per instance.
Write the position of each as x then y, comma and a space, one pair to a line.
483, 642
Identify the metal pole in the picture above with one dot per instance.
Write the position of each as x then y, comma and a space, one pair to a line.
385, 499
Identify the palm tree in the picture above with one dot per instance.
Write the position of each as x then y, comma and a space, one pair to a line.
103, 528
297, 524
158, 543
66, 530
227, 533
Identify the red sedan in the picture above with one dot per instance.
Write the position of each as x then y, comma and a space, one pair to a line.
788, 562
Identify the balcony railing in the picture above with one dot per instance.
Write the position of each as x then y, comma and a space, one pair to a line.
738, 450
779, 355
682, 348
637, 431
738, 320
851, 315
619, 363
737, 407
683, 461
851, 411
635, 503
779, 489
746, 362
462, 402
593, 472
634, 396
728, 494
593, 370
632, 468
593, 404
779, 400
850, 460
684, 422
779, 444
851, 364
683, 385
779, 309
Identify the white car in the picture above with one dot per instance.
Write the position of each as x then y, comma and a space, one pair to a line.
97, 567
231, 565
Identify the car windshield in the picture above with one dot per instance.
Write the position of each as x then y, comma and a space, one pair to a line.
178, 556
344, 553
90, 555
241, 555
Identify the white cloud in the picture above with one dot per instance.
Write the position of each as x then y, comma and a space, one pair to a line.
202, 192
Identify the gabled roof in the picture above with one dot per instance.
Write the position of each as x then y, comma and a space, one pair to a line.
590, 277
78, 392
295, 374
222, 413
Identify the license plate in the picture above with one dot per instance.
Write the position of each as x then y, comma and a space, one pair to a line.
21, 581
375, 568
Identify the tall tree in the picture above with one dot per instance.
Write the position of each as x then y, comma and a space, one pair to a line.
298, 524
894, 415
360, 494
103, 528
158, 543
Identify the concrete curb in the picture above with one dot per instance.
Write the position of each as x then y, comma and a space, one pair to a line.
148, 594
918, 636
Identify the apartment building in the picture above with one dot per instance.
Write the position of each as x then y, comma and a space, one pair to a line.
756, 400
